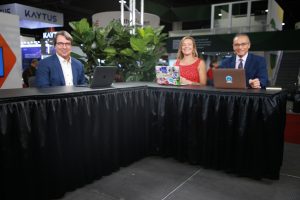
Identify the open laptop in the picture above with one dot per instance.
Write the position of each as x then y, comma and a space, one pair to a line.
167, 75
103, 76
229, 78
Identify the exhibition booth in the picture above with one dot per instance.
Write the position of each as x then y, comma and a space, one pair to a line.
16, 51
23, 50
57, 139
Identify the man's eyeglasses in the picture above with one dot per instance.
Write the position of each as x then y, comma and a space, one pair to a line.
61, 44
241, 44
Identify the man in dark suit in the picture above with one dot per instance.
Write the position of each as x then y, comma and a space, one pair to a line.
60, 69
255, 66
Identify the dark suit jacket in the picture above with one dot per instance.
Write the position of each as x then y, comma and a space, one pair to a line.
255, 67
49, 72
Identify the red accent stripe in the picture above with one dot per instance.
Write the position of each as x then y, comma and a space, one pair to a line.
292, 128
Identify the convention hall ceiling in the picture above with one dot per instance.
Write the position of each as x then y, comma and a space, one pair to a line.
168, 10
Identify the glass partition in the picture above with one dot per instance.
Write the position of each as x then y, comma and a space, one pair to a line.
221, 18
241, 16
239, 20
258, 16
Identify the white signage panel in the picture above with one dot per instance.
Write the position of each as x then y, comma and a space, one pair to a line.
10, 43
32, 18
275, 16
102, 19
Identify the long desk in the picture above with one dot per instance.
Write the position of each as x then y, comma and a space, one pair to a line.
55, 140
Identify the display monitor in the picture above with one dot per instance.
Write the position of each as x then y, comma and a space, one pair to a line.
1, 62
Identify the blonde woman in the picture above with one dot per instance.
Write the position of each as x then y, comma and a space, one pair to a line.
192, 68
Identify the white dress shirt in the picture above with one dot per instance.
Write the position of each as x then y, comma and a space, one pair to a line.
67, 69
237, 60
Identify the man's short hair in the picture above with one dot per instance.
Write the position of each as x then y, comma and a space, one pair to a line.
241, 34
34, 60
67, 35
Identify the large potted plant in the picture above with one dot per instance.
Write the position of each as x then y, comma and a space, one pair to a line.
134, 51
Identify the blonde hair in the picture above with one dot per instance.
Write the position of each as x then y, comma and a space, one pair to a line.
180, 54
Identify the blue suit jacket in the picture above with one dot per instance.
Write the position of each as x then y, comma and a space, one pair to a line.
49, 72
255, 67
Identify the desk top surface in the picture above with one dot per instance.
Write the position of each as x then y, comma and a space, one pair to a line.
27, 92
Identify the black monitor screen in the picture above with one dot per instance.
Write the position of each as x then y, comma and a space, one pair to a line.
1, 62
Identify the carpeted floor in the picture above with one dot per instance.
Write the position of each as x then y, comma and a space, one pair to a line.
155, 178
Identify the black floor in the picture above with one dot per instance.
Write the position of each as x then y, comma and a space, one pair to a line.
156, 178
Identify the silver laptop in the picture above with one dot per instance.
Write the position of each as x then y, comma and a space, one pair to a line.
103, 76
229, 78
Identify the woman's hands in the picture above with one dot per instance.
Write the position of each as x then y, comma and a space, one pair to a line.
187, 82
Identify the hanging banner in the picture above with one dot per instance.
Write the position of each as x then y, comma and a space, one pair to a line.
33, 18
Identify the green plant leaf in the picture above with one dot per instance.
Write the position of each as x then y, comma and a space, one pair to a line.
136, 54
83, 26
127, 52
138, 44
110, 51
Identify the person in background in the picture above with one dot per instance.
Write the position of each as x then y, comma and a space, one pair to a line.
213, 65
29, 72
255, 66
60, 69
192, 68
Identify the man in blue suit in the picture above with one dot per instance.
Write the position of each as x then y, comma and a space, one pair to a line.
60, 69
255, 66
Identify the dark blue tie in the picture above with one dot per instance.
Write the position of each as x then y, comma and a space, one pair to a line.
240, 66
